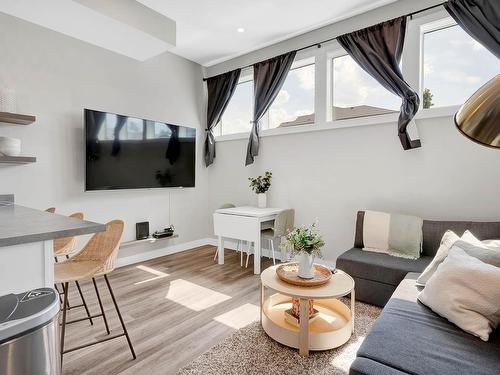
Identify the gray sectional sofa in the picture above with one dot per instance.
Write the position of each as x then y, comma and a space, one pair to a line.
408, 337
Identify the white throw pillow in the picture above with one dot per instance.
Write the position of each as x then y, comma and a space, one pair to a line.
465, 291
448, 240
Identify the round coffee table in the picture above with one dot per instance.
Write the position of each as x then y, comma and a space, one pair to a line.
333, 326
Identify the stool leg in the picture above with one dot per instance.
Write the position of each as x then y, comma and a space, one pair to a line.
84, 302
100, 305
248, 253
63, 328
120, 316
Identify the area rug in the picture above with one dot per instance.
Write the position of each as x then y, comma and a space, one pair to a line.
250, 351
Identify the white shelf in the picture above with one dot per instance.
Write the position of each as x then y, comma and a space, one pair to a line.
149, 240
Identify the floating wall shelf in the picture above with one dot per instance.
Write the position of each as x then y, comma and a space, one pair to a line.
150, 240
15, 118
17, 159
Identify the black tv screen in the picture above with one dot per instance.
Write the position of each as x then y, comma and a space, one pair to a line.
124, 152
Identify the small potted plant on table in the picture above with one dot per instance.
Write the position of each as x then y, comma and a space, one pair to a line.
306, 243
260, 185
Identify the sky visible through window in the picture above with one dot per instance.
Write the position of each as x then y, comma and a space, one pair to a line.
455, 65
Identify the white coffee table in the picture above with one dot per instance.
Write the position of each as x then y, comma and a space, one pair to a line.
331, 329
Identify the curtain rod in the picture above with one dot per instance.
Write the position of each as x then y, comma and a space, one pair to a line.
318, 44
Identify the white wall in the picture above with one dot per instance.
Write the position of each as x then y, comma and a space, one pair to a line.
329, 175
55, 78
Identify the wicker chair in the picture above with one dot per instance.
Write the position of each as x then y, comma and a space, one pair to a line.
64, 247
97, 258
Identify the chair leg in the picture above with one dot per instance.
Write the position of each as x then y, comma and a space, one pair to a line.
272, 250
248, 253
100, 305
63, 328
84, 302
216, 253
241, 251
120, 316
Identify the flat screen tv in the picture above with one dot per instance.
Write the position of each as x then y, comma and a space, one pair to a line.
124, 152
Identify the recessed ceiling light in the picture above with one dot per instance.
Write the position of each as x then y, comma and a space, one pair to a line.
240, 30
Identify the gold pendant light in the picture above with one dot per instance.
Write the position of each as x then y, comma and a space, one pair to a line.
479, 118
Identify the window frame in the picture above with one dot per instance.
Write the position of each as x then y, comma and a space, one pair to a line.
412, 68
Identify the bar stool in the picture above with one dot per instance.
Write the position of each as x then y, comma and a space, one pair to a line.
65, 247
95, 259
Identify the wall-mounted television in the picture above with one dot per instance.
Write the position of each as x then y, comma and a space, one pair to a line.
124, 152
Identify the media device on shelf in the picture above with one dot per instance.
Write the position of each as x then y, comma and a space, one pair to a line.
124, 152
142, 230
167, 232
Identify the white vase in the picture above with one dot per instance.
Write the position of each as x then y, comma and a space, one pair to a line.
306, 270
8, 101
10, 146
262, 200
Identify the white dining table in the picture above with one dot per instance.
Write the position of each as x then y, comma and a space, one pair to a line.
243, 223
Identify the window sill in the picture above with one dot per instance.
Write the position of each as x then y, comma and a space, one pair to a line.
347, 123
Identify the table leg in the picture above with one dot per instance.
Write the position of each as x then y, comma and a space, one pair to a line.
221, 250
304, 328
353, 301
256, 254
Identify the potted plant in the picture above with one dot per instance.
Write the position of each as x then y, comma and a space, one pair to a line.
260, 185
306, 243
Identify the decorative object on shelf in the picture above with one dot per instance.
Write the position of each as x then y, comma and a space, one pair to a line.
479, 117
8, 100
289, 273
142, 230
260, 185
292, 316
167, 232
307, 243
10, 146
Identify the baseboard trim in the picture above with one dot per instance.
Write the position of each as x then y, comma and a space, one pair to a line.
228, 244
148, 255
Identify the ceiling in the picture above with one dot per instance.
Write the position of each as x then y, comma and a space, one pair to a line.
206, 30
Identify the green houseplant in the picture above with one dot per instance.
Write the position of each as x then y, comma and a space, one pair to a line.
260, 185
307, 243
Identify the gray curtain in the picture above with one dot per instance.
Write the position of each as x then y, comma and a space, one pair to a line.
480, 19
268, 78
220, 90
377, 49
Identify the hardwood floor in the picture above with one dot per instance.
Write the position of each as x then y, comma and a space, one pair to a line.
175, 307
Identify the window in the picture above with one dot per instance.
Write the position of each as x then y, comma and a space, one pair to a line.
356, 94
294, 104
454, 67
239, 112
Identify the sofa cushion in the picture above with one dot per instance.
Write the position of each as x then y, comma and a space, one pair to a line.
365, 366
379, 267
411, 338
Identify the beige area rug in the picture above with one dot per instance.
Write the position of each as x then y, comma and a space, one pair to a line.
250, 351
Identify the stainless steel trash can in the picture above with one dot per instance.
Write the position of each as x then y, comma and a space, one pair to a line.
29, 333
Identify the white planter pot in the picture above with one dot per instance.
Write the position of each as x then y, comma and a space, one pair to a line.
262, 200
10, 146
8, 101
306, 270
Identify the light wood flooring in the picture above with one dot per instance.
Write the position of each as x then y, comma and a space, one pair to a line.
175, 307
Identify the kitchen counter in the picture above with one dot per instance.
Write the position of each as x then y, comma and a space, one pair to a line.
20, 225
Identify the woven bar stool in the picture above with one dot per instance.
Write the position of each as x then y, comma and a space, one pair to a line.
65, 247
95, 259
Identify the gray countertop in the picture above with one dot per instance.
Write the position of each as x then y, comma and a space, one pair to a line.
20, 225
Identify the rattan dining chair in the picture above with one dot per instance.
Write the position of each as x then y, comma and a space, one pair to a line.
97, 258
282, 225
239, 243
65, 247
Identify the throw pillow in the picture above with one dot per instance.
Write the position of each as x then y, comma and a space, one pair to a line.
465, 291
448, 240
394, 234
